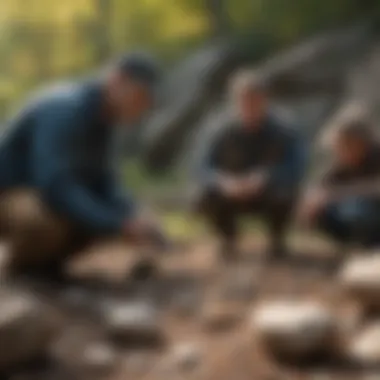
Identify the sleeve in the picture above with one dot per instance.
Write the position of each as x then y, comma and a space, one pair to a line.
54, 171
117, 196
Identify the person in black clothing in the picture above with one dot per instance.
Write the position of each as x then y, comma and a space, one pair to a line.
254, 166
346, 203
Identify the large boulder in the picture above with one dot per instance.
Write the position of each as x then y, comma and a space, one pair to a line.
27, 327
191, 89
295, 329
317, 67
360, 279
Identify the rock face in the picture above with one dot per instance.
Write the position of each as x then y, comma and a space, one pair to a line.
365, 347
295, 329
23, 319
202, 75
360, 278
134, 323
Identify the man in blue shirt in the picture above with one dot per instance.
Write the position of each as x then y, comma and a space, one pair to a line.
254, 166
58, 188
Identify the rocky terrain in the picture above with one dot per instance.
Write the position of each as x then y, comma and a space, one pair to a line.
301, 318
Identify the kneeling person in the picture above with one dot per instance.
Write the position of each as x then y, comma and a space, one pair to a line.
58, 190
254, 166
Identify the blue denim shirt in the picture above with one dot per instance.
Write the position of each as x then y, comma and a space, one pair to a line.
60, 145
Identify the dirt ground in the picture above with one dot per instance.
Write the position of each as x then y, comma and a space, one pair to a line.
231, 352
193, 280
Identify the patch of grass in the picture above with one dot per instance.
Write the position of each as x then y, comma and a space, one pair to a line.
179, 225
182, 226
139, 180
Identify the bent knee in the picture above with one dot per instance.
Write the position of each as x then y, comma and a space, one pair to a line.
25, 217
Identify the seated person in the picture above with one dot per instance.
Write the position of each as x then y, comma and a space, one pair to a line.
254, 166
346, 203
58, 189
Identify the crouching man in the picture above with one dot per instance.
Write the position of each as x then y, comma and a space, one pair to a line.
253, 167
346, 203
58, 190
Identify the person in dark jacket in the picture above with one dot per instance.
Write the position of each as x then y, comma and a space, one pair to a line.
345, 204
254, 166
58, 185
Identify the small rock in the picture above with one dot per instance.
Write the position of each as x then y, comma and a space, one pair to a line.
81, 350
135, 323
99, 357
27, 327
295, 329
360, 278
365, 347
187, 357
220, 316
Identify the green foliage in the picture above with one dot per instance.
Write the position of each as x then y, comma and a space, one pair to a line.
41, 40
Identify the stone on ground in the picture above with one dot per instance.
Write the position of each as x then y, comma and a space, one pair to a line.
27, 328
360, 278
187, 356
295, 329
365, 347
134, 323
81, 350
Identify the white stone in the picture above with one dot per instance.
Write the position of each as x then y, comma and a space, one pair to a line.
365, 347
295, 328
360, 278
133, 321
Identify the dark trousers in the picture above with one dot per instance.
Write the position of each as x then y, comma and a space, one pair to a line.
223, 213
37, 237
363, 229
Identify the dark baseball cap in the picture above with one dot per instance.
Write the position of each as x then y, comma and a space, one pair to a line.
141, 67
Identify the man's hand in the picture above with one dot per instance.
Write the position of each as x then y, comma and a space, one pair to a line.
254, 184
312, 205
241, 188
146, 231
229, 186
